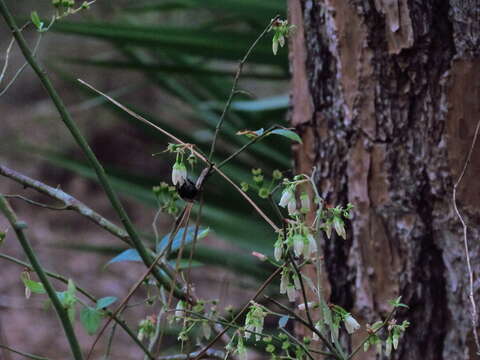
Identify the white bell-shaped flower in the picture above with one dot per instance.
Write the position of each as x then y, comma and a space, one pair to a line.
298, 244
351, 324
291, 293
179, 174
287, 196
312, 244
278, 249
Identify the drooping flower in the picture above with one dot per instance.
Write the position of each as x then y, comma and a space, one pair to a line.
318, 327
339, 227
179, 173
287, 196
254, 321
179, 310
278, 249
298, 244
292, 207
296, 282
291, 293
312, 244
351, 324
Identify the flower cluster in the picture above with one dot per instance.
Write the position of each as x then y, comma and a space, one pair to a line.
281, 31
299, 238
146, 327
254, 321
179, 169
342, 315
264, 188
167, 198
289, 284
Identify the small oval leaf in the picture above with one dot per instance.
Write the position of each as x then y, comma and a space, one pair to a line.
90, 319
127, 255
288, 134
105, 302
177, 241
282, 322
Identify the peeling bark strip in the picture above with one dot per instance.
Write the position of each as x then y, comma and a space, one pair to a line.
387, 95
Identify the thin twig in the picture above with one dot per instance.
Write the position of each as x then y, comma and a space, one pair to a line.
110, 342
234, 86
20, 70
36, 203
24, 354
70, 203
473, 306
244, 147
298, 342
7, 56
18, 227
302, 286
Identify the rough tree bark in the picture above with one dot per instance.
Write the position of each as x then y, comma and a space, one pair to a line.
386, 94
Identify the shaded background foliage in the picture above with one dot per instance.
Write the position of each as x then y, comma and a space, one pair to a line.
172, 62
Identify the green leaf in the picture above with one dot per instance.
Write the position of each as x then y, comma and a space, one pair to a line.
288, 134
105, 302
177, 241
3, 235
282, 322
71, 288
90, 319
34, 286
36, 20
267, 104
226, 44
127, 255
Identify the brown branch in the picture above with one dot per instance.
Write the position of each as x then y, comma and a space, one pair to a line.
69, 202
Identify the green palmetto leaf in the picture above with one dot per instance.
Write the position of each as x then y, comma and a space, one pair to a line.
174, 69
227, 45
249, 9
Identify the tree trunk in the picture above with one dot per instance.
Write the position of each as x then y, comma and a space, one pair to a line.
386, 95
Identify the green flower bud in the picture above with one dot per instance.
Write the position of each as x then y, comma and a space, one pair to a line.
263, 193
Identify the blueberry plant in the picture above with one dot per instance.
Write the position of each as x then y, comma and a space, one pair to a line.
302, 219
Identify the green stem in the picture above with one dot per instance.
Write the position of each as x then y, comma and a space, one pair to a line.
244, 147
63, 279
18, 227
24, 354
359, 346
234, 86
79, 138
